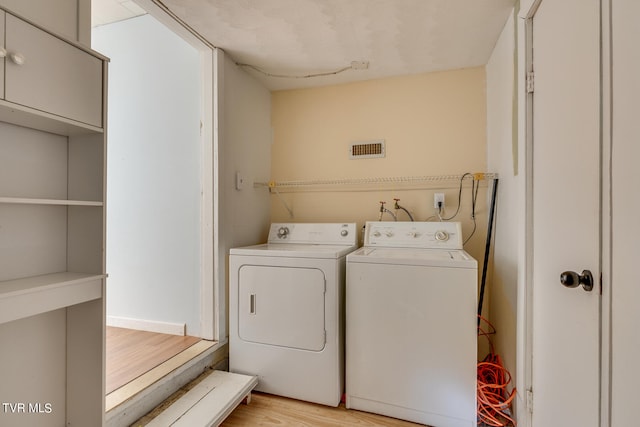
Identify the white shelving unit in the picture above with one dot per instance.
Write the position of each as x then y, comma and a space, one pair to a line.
52, 227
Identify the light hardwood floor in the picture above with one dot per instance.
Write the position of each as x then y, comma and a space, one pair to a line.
131, 353
269, 410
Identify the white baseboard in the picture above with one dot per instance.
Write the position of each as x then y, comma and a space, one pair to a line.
147, 325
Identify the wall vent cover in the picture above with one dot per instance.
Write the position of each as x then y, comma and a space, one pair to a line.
367, 149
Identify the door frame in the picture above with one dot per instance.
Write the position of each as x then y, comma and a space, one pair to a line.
526, 353
606, 184
524, 372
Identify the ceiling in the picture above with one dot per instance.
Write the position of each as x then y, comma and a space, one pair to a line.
298, 38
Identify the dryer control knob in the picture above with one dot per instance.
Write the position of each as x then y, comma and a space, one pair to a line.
376, 234
283, 232
344, 233
442, 236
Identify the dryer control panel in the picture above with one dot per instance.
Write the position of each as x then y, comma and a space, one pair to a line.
310, 233
425, 235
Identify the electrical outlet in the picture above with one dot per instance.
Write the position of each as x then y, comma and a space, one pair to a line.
438, 200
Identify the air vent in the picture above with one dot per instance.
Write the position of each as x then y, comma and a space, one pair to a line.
366, 150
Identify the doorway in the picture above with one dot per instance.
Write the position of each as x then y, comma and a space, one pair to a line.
159, 181
153, 177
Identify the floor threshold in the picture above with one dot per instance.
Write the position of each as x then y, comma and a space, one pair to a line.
138, 397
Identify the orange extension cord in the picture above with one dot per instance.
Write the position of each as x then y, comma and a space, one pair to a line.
494, 402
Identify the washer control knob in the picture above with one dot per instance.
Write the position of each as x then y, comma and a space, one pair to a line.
376, 233
389, 233
413, 234
442, 236
283, 232
344, 233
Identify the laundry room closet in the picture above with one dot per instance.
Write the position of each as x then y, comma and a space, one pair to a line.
277, 156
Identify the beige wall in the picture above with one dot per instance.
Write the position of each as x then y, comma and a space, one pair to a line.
433, 124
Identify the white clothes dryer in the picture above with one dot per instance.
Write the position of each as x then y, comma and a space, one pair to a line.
286, 310
411, 340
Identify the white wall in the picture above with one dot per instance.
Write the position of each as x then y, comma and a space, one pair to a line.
153, 198
505, 158
244, 146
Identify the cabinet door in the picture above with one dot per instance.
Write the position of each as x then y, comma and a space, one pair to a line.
55, 76
59, 16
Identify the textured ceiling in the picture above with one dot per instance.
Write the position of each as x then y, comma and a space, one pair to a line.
302, 37
108, 11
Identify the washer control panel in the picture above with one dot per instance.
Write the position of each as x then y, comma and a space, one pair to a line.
308, 233
404, 234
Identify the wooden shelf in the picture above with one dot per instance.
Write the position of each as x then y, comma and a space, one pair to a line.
29, 201
29, 296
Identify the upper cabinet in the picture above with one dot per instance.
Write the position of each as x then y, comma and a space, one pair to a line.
51, 75
59, 16
46, 79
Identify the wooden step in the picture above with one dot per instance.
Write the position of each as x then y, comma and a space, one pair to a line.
209, 402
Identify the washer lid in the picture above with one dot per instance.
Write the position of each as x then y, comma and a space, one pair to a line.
293, 250
411, 256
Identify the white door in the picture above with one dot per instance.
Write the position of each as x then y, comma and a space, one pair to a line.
566, 213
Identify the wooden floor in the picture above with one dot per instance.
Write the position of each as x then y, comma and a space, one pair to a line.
269, 410
131, 353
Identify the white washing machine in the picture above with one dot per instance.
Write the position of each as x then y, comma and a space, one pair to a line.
411, 346
286, 310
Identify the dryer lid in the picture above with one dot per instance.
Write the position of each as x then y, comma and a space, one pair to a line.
295, 250
305, 240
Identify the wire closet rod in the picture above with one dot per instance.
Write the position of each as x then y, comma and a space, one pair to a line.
376, 180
